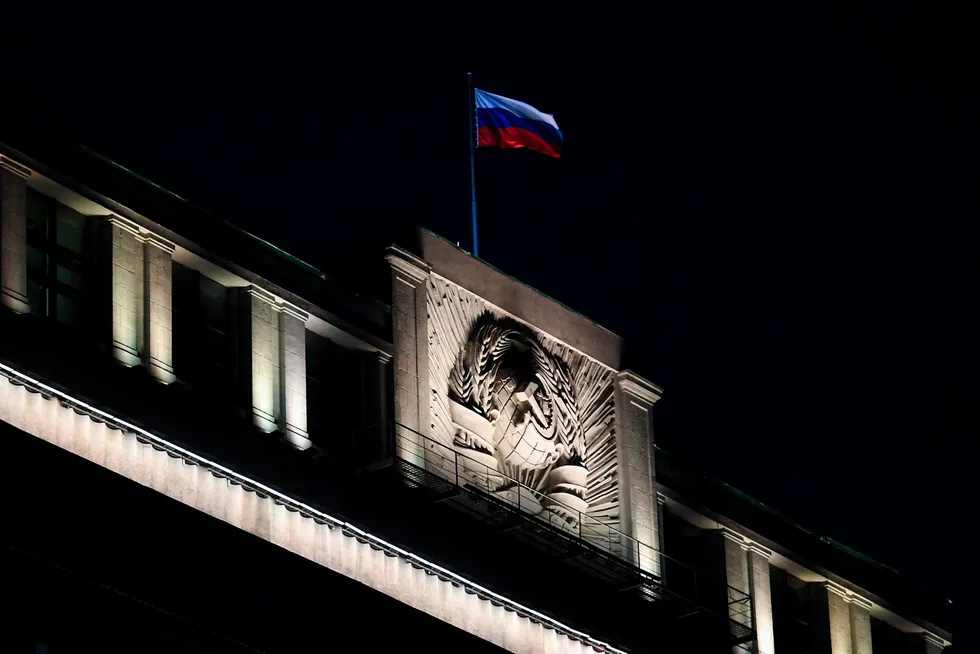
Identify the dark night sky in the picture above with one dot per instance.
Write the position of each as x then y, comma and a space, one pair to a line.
776, 209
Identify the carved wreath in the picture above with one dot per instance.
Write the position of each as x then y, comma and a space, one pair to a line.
473, 380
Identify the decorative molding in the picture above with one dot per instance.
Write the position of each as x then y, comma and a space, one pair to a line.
847, 595
743, 542
407, 263
297, 438
126, 224
383, 357
932, 639
728, 534
293, 310
12, 166
520, 405
836, 589
157, 241
638, 387
264, 295
857, 600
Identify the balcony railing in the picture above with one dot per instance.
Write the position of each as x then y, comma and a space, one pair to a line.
492, 495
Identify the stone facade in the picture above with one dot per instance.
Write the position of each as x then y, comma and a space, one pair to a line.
761, 592
276, 333
635, 398
142, 298
747, 572
128, 310
158, 282
13, 235
265, 360
292, 331
408, 322
849, 621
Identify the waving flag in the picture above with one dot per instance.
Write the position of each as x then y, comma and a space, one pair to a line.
505, 123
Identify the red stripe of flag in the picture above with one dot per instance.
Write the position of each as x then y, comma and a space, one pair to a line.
516, 137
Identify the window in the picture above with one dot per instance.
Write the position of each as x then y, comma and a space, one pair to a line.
204, 346
58, 259
333, 379
792, 611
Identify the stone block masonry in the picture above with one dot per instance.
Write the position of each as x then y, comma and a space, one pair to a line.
747, 572
639, 516
13, 235
142, 299
276, 332
409, 327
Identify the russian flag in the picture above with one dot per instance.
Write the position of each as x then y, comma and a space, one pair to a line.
506, 123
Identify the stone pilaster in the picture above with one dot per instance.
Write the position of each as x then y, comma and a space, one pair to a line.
13, 235
292, 349
128, 274
142, 298
266, 393
761, 592
860, 625
747, 572
849, 621
409, 320
158, 301
374, 444
638, 514
931, 644
738, 578
276, 333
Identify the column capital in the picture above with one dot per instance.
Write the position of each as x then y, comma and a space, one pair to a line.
383, 357
126, 224
157, 241
836, 589
934, 640
416, 269
735, 537
638, 387
848, 596
12, 166
262, 294
745, 543
293, 310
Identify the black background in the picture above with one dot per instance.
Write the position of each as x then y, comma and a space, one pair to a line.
776, 208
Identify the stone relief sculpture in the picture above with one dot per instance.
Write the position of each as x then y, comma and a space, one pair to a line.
519, 406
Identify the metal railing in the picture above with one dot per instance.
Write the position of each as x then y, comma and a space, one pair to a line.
465, 472
740, 614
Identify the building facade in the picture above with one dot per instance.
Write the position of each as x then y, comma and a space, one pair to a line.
464, 461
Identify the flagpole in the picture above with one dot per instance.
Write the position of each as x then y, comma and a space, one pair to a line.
474, 134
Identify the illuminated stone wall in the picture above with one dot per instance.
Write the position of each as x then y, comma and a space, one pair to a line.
240, 502
13, 235
849, 621
142, 299
276, 332
747, 571
408, 323
522, 404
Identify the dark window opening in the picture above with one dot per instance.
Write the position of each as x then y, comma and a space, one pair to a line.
204, 339
791, 611
333, 391
59, 246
